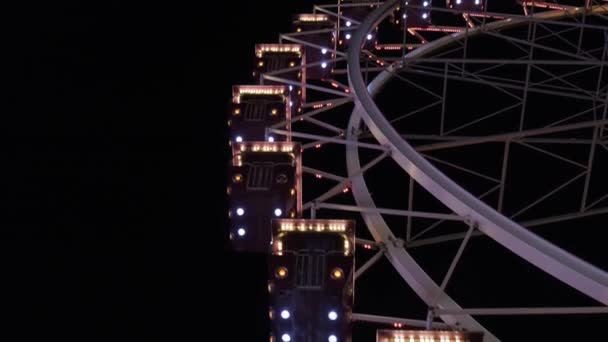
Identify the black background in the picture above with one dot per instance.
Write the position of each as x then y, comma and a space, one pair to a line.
114, 217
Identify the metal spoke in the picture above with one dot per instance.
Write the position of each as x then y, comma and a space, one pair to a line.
458, 167
385, 211
547, 195
369, 263
526, 311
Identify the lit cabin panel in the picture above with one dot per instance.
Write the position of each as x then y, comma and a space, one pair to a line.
323, 56
387, 335
466, 5
276, 57
254, 108
311, 279
419, 17
349, 10
265, 183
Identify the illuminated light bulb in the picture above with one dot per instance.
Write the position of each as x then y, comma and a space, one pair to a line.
261, 63
323, 51
348, 24
241, 232
299, 29
286, 338
285, 314
324, 65
237, 111
292, 64
293, 192
239, 139
369, 36
404, 16
240, 211
425, 4
332, 315
347, 36
274, 112
332, 338
270, 139
425, 15
281, 272
477, 2
290, 88
337, 273
458, 2
290, 103
237, 178
278, 212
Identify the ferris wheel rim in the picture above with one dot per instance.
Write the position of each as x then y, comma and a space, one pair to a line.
564, 266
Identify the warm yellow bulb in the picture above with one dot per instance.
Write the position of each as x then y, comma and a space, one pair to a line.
337, 273
237, 178
274, 112
299, 29
292, 64
281, 272
261, 63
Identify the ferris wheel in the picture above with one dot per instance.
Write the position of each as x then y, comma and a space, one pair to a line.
435, 126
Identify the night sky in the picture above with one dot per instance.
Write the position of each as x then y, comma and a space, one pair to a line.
114, 220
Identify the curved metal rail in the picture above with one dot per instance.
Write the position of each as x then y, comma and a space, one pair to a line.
562, 265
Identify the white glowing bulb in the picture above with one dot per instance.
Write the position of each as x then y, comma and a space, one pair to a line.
347, 36
323, 65
270, 139
332, 315
426, 3
324, 51
290, 88
286, 338
332, 338
241, 231
278, 212
369, 36
458, 2
239, 139
240, 211
290, 103
348, 23
477, 2
425, 15
285, 314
